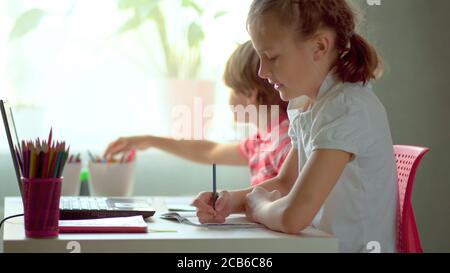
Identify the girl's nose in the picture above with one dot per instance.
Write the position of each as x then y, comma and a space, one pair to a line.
263, 71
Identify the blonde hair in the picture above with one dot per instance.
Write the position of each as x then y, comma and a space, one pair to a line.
241, 75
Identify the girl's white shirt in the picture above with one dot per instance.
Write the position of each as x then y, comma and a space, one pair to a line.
361, 208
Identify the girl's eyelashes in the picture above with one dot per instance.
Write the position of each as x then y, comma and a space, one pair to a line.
271, 59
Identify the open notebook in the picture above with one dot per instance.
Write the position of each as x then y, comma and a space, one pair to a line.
189, 218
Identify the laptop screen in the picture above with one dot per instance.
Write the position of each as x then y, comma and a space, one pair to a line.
13, 139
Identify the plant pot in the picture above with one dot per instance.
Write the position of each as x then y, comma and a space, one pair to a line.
111, 179
188, 105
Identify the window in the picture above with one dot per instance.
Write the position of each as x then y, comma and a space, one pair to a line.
74, 73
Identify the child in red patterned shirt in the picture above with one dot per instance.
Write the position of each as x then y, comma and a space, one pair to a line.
264, 152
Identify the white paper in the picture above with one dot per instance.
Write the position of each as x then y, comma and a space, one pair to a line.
233, 221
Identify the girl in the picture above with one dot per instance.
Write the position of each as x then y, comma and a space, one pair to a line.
342, 160
264, 152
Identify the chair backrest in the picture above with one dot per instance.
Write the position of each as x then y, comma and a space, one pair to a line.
407, 159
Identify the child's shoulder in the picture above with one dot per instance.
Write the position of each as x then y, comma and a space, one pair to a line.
355, 95
357, 90
350, 100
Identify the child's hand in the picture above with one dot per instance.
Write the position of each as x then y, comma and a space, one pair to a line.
205, 211
256, 199
124, 145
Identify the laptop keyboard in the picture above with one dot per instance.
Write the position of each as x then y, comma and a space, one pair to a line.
83, 203
75, 207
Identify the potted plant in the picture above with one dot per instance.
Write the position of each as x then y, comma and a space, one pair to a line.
182, 63
182, 59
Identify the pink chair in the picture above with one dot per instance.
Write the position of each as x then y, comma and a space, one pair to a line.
407, 159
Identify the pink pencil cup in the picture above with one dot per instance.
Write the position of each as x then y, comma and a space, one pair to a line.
41, 206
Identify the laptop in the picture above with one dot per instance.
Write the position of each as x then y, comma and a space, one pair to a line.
72, 208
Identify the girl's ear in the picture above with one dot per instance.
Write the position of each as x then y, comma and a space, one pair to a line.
253, 98
321, 44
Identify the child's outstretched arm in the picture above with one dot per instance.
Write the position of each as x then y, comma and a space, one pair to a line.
295, 211
200, 151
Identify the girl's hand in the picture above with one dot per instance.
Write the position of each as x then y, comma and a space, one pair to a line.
205, 211
125, 144
256, 200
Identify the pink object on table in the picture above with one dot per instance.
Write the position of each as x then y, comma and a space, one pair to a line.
41, 206
131, 155
407, 159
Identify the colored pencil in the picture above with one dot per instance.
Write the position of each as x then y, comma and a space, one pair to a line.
42, 158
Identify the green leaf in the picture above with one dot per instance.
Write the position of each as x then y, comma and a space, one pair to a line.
195, 35
192, 4
220, 14
155, 14
143, 10
126, 4
26, 22
132, 23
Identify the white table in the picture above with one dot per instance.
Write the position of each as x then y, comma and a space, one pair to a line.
186, 239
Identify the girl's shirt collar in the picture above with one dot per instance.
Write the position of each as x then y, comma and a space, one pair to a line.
300, 104
327, 85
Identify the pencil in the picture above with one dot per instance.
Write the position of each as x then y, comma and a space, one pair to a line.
51, 160
32, 164
57, 162
63, 163
45, 162
50, 137
214, 193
